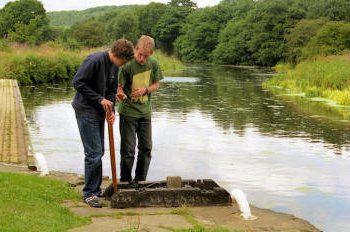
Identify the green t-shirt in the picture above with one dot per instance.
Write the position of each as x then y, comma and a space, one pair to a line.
134, 75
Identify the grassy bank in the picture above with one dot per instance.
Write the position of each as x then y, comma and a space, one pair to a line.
32, 203
326, 77
51, 63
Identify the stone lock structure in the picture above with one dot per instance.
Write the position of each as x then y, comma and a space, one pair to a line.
173, 192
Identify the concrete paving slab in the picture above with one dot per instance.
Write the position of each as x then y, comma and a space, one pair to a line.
15, 146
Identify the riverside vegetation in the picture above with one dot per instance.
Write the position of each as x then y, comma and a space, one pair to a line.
325, 77
51, 63
319, 64
249, 32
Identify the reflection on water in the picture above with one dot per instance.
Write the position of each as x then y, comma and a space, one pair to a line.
290, 155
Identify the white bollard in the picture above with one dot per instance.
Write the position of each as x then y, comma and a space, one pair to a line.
243, 204
40, 162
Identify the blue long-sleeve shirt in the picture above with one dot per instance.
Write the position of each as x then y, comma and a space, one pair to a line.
95, 79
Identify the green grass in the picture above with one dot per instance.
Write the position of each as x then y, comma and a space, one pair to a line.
327, 77
168, 64
32, 203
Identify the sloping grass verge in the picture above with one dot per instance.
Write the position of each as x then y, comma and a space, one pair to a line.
32, 203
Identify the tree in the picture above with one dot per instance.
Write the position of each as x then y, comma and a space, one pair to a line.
233, 46
183, 3
34, 33
200, 33
21, 12
300, 35
169, 25
89, 33
334, 10
332, 38
271, 20
149, 16
124, 25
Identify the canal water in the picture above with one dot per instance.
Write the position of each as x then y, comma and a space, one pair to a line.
286, 153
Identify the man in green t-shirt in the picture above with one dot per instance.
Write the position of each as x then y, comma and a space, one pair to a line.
136, 81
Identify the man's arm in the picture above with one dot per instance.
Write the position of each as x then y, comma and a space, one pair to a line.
81, 80
112, 88
153, 87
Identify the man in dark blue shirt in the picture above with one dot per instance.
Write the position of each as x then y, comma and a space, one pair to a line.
96, 85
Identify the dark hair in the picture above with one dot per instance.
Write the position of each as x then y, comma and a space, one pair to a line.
123, 49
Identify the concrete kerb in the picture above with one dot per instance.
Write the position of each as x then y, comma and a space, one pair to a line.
164, 219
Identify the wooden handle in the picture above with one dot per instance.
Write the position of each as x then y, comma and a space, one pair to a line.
112, 151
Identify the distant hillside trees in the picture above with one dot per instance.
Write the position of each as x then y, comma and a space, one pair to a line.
254, 32
200, 34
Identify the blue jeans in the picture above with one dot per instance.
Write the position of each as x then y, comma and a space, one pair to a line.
130, 127
92, 136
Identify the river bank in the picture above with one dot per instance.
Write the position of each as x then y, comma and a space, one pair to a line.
167, 219
323, 77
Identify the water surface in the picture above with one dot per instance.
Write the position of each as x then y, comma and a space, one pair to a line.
289, 155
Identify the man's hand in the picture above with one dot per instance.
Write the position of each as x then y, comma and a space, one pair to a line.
138, 92
107, 105
111, 117
121, 96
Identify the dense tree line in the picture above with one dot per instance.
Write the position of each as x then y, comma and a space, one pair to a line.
257, 32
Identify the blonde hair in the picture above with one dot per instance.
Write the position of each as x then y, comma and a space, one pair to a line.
146, 42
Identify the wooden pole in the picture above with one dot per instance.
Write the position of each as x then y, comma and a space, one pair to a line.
112, 152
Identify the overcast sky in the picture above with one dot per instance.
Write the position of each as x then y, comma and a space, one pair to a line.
57, 5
